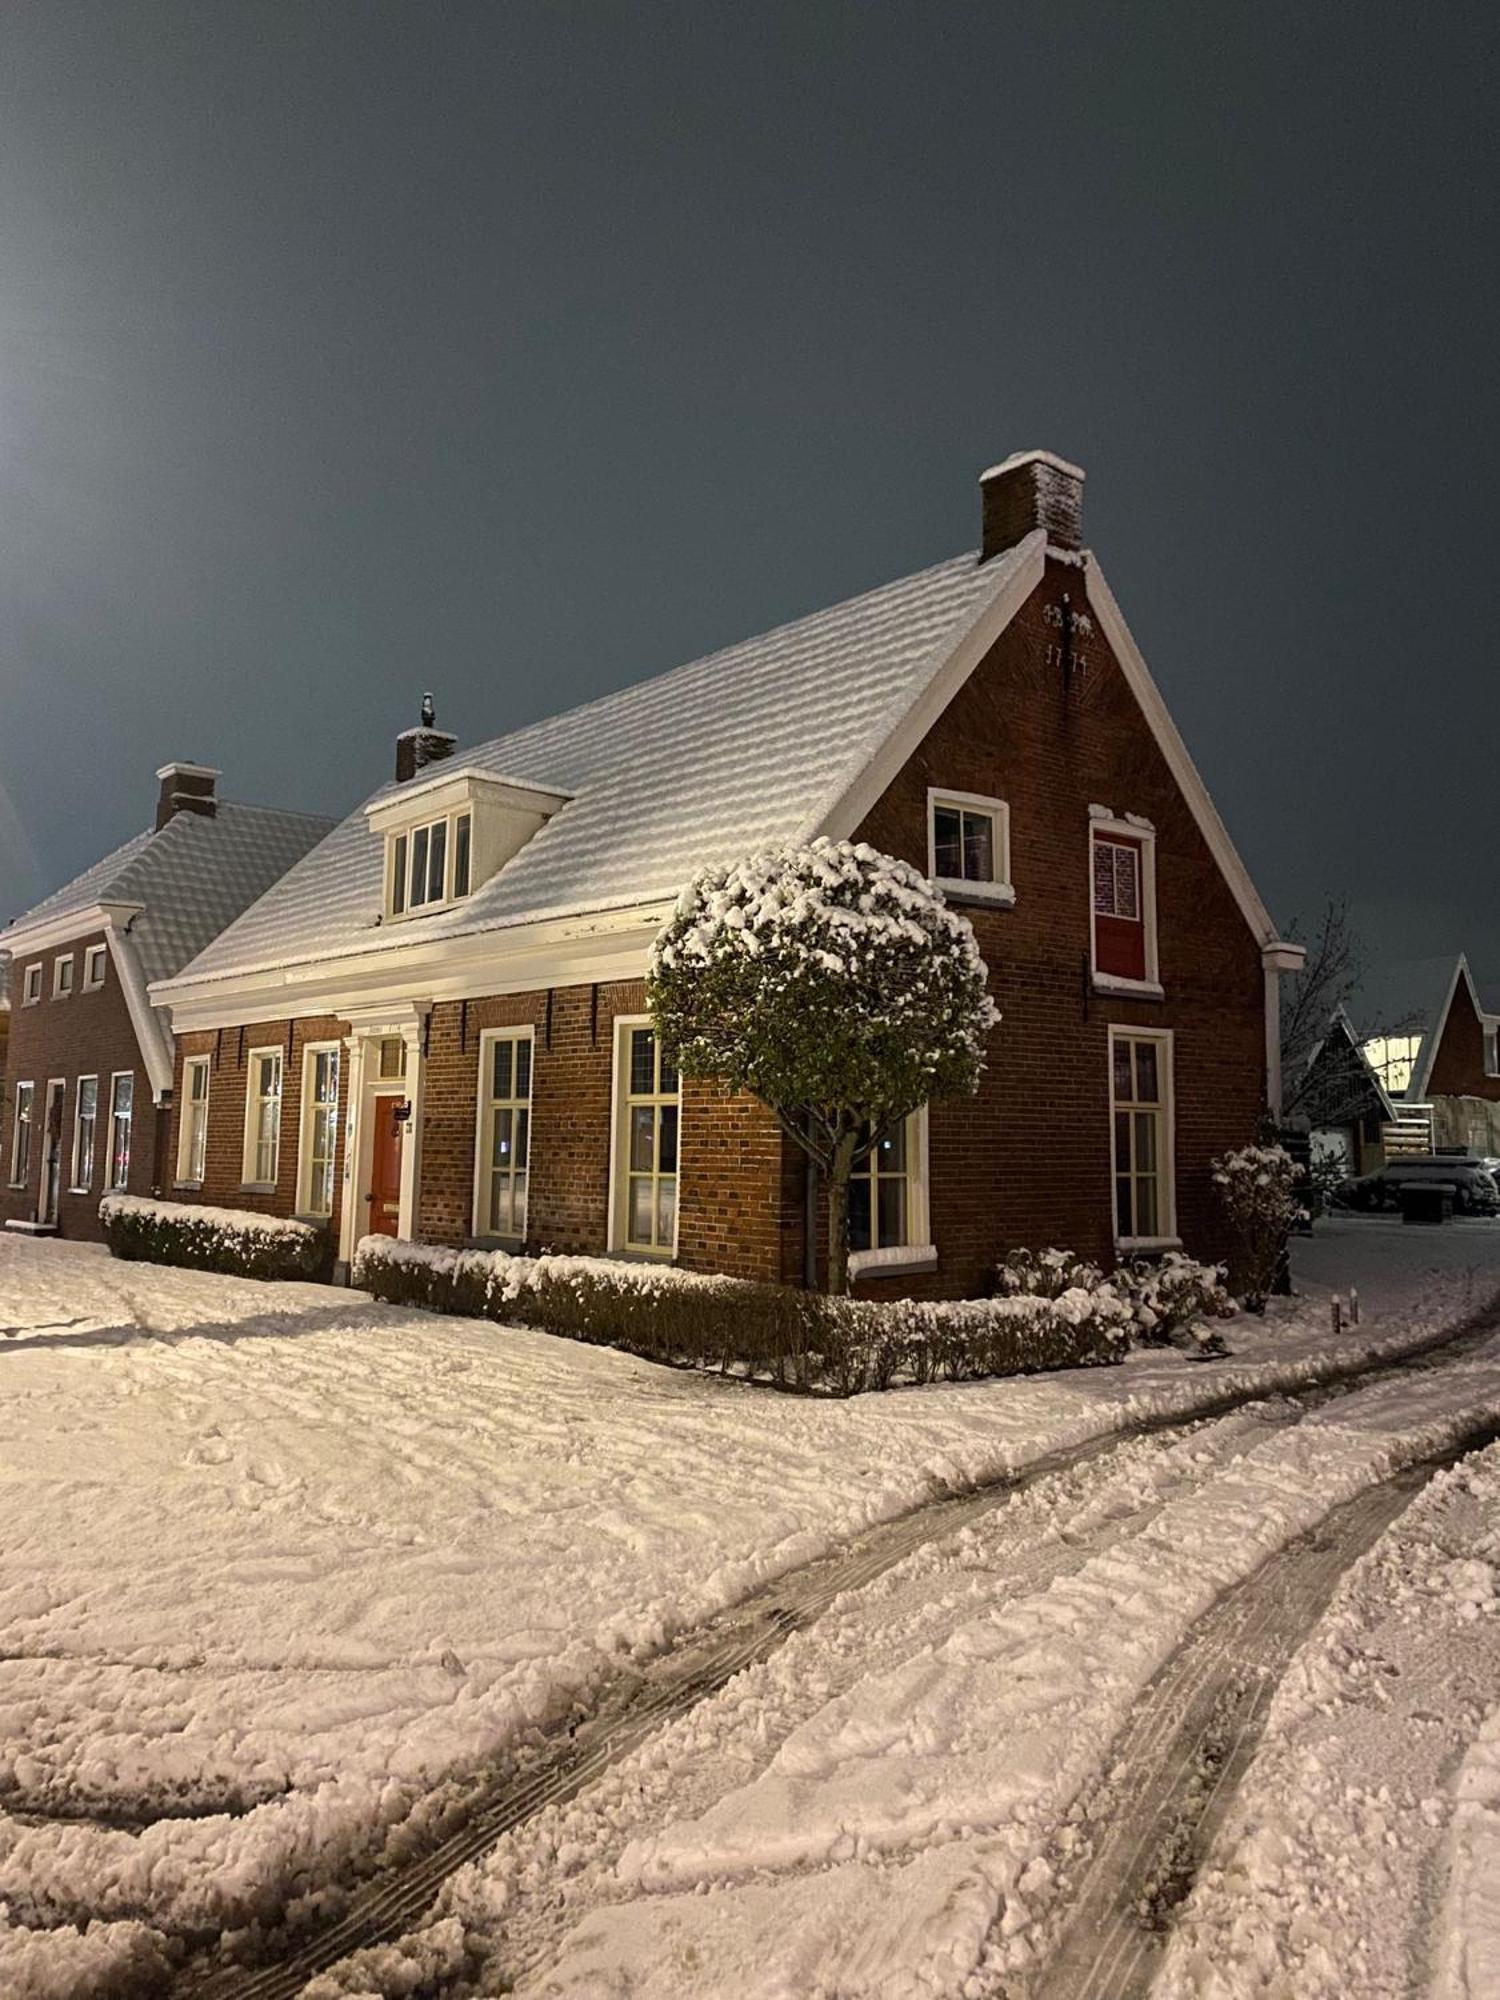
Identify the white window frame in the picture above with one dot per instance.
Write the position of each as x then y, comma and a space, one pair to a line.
918, 1252
59, 990
192, 1139
20, 1174
404, 838
116, 1078
1166, 1069
77, 1183
309, 1105
960, 888
619, 1137
94, 955
485, 1108
1142, 833
31, 984
250, 1178
1492, 1048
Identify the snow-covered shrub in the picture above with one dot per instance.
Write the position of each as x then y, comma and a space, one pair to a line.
1045, 1274
833, 983
232, 1240
1172, 1296
769, 1333
1257, 1187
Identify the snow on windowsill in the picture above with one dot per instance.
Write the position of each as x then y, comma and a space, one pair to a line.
1001, 895
1131, 1244
894, 1262
1128, 989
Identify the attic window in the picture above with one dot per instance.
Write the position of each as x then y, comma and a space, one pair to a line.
428, 866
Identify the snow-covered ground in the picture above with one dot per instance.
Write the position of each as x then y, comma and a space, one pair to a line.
277, 1560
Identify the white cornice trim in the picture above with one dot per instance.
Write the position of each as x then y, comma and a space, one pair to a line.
863, 791
1179, 762
43, 933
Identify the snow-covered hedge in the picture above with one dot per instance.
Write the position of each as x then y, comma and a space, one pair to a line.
799, 1340
1165, 1298
232, 1240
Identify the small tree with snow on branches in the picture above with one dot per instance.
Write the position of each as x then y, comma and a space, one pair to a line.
833, 983
1257, 1188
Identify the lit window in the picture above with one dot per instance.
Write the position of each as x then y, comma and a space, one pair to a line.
1140, 1102
93, 967
430, 865
320, 1125
263, 1117
392, 1061
121, 1107
504, 1135
20, 1145
85, 1122
880, 1191
648, 1094
31, 985
1123, 898
968, 841
62, 977
192, 1132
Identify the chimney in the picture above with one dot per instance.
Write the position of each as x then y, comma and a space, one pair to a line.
185, 788
1031, 489
424, 745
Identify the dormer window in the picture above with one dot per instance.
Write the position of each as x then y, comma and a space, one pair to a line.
446, 835
429, 864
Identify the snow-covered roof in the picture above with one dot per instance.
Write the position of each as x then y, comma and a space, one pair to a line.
747, 747
191, 878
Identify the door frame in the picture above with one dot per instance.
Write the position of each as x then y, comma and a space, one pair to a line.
57, 1087
378, 1099
368, 1027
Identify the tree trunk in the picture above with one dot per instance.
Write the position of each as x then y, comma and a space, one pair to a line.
839, 1170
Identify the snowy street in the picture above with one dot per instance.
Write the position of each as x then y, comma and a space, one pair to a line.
298, 1588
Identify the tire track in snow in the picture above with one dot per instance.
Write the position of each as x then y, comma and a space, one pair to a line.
1175, 1769
636, 1704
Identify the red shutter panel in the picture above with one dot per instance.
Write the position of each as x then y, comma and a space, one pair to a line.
1119, 907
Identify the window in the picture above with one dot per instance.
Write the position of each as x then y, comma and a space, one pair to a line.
31, 985
429, 865
93, 967
320, 1127
648, 1107
121, 1105
968, 845
85, 1122
62, 977
879, 1193
392, 1060
1123, 889
20, 1144
192, 1126
504, 1135
263, 1117
1141, 1106
1492, 1051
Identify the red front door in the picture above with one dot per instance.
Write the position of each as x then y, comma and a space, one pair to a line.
385, 1167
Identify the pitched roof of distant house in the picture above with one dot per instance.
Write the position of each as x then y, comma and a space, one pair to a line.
773, 740
190, 877
1412, 997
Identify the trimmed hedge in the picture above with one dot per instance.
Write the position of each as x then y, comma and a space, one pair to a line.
796, 1340
231, 1240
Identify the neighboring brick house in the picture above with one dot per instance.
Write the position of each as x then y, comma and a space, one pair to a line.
434, 1025
88, 1070
1437, 1051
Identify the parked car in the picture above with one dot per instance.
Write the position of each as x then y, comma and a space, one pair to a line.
1475, 1190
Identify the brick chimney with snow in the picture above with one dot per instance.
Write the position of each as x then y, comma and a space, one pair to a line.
186, 788
1031, 489
424, 745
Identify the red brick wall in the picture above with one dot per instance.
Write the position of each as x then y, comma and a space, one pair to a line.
87, 1034
1458, 1067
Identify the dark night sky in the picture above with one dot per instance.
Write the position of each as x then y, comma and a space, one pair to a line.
519, 351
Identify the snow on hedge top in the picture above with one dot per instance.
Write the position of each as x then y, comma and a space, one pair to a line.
227, 1221
741, 750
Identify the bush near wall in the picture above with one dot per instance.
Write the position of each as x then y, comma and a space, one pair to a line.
770, 1333
230, 1240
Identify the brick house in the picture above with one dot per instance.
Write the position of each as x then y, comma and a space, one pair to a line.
88, 1070
434, 1025
1437, 1052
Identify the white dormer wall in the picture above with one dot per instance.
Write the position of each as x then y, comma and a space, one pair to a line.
503, 815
